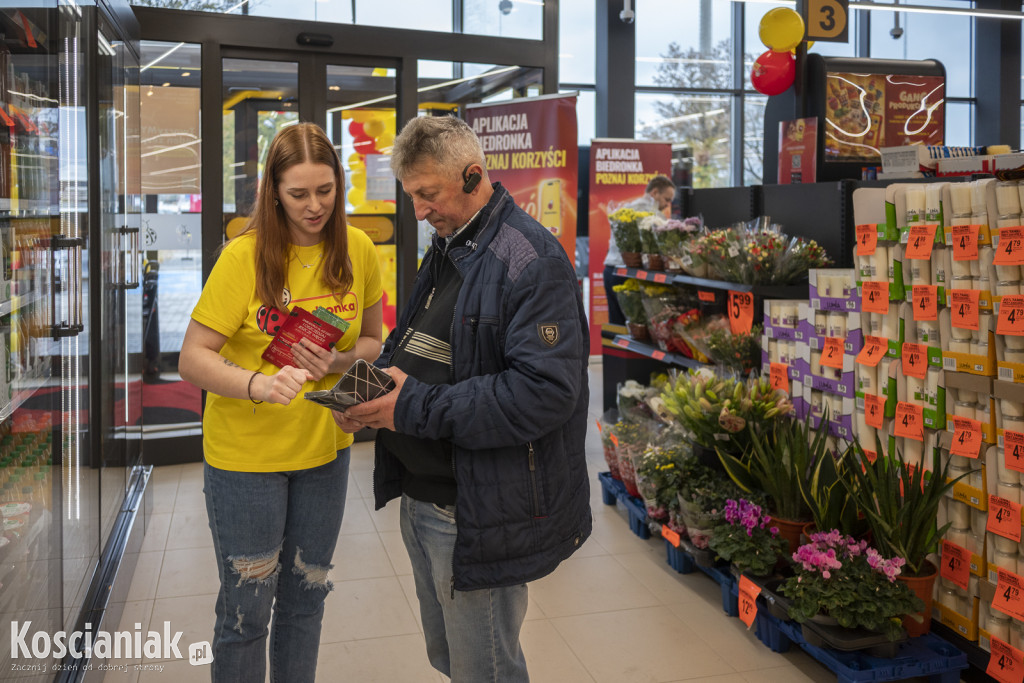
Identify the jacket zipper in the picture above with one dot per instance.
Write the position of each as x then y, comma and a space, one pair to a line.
533, 481
451, 380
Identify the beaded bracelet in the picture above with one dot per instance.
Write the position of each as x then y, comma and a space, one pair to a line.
249, 390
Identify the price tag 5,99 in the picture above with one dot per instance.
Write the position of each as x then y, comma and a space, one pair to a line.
956, 564
1006, 664
748, 592
1011, 316
741, 312
965, 242
1003, 519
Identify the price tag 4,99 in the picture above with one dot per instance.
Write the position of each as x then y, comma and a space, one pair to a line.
915, 360
910, 421
1003, 519
875, 297
1006, 664
867, 239
926, 302
921, 240
748, 592
874, 410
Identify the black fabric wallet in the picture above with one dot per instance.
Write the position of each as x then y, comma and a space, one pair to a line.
363, 382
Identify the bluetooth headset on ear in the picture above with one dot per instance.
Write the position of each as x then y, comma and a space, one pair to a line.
471, 180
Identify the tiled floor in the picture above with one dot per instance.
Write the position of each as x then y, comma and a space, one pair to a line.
613, 613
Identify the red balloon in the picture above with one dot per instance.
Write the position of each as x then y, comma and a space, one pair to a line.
364, 145
355, 129
773, 72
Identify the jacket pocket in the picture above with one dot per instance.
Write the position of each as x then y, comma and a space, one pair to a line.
536, 490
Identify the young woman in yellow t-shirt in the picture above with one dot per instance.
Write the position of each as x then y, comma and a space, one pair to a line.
276, 467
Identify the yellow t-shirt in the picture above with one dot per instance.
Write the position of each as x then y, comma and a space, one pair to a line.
277, 438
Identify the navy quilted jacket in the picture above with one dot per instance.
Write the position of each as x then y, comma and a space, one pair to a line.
516, 410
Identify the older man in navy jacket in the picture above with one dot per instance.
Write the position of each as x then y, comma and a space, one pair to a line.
483, 437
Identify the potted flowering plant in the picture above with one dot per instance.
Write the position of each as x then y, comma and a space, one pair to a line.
626, 231
658, 477
630, 298
672, 236
747, 539
842, 578
703, 493
652, 258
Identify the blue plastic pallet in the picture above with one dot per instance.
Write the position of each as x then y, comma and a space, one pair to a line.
926, 655
614, 490
684, 563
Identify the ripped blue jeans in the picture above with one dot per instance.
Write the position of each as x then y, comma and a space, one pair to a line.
274, 534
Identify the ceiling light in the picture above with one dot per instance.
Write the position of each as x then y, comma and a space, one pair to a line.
921, 9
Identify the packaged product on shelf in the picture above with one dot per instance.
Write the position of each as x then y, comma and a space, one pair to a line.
833, 289
782, 319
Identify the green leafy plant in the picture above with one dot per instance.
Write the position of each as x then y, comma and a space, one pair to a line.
830, 503
658, 477
703, 493
900, 501
626, 229
630, 298
747, 539
840, 577
778, 460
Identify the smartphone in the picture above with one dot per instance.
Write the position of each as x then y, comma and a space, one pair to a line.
550, 194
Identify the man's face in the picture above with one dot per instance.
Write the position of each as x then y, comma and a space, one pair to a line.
438, 198
664, 197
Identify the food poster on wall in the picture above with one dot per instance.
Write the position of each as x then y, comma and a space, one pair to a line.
798, 149
530, 145
619, 173
864, 112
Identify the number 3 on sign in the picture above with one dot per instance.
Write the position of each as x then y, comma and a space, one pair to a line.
826, 20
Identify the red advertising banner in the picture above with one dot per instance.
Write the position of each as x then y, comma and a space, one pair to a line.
531, 147
619, 173
798, 150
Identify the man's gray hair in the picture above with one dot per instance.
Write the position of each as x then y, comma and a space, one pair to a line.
448, 141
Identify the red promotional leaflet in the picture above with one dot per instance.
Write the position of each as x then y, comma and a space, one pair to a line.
300, 323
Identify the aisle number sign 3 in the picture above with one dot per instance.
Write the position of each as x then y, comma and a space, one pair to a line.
826, 20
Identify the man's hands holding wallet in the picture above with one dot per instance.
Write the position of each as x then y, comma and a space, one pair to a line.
376, 414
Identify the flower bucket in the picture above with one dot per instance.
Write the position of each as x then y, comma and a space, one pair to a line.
638, 331
632, 259
611, 458
789, 530
923, 587
627, 470
653, 261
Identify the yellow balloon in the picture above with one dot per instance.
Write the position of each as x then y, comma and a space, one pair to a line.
355, 161
809, 43
361, 115
362, 208
357, 179
374, 127
781, 29
385, 141
356, 196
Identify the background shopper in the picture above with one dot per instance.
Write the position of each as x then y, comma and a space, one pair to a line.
276, 466
483, 438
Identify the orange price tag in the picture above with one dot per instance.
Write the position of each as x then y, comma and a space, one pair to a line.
1010, 251
915, 360
1011, 316
1013, 450
956, 564
921, 241
615, 440
873, 351
867, 239
660, 277
1009, 597
832, 353
741, 312
871, 456
926, 302
778, 375
966, 437
658, 355
706, 296
874, 410
909, 421
1006, 663
965, 242
599, 429
641, 274
964, 305
748, 592
669, 535
1003, 519
624, 343
875, 297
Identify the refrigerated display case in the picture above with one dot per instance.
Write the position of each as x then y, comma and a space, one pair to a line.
70, 475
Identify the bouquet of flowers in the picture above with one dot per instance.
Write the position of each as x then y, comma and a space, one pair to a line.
760, 254
625, 223
746, 539
630, 297
662, 306
703, 493
632, 401
606, 426
633, 438
738, 352
850, 582
673, 236
648, 226
658, 478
